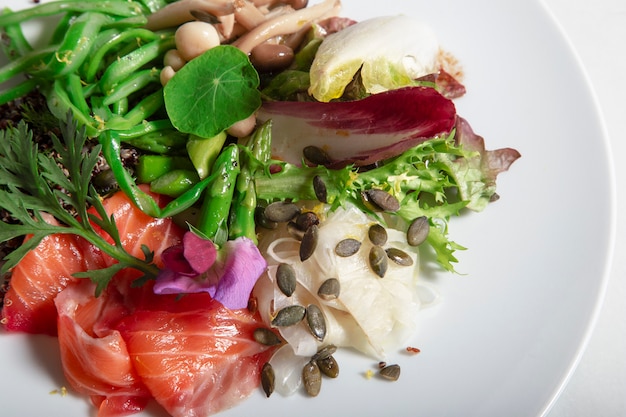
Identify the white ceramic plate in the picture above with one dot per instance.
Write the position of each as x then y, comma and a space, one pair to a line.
507, 333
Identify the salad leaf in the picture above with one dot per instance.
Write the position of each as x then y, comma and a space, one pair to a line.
419, 178
359, 132
390, 52
212, 92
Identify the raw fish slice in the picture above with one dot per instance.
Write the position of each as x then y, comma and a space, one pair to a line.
195, 356
94, 356
40, 276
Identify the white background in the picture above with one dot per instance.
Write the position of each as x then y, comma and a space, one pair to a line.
597, 31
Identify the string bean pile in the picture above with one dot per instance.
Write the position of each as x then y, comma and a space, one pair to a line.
102, 64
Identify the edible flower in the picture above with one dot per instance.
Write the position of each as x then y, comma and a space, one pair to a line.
228, 274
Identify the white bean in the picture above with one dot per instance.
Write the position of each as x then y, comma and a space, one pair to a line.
243, 127
173, 59
195, 38
166, 74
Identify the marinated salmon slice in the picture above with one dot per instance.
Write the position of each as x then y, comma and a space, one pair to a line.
195, 356
40, 276
48, 269
94, 355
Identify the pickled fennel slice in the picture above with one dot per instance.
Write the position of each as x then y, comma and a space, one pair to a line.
371, 314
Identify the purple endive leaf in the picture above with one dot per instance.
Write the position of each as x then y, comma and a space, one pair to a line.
242, 266
359, 132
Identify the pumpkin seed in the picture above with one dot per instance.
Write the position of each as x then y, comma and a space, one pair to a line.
281, 211
329, 366
418, 231
268, 379
286, 279
378, 261
319, 187
390, 372
312, 378
399, 256
377, 234
288, 316
382, 200
266, 337
261, 220
329, 290
295, 231
306, 220
309, 242
316, 321
347, 247
324, 352
316, 155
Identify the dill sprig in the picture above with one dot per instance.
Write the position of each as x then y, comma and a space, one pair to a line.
58, 184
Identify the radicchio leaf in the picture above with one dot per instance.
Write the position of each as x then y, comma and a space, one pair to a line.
359, 132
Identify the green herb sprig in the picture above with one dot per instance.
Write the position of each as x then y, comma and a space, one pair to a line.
33, 183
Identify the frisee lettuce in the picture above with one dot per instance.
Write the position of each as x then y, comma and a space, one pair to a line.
423, 179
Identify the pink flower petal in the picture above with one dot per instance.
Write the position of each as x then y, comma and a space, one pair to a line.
229, 280
200, 253
174, 259
243, 265
169, 282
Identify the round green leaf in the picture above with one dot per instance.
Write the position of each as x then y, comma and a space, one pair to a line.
212, 92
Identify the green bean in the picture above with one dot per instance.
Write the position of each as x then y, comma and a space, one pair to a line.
144, 128
120, 107
175, 183
99, 48
213, 220
76, 45
111, 150
151, 167
187, 199
127, 22
105, 117
14, 43
146, 108
109, 7
75, 93
131, 85
153, 5
60, 104
129, 63
163, 141
18, 90
62, 27
26, 64
110, 40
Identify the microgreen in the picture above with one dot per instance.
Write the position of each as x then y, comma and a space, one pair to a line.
212, 92
58, 184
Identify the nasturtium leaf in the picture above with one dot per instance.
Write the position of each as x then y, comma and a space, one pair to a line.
212, 92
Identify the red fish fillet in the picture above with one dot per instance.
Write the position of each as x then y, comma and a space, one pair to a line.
195, 356
40, 276
94, 356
